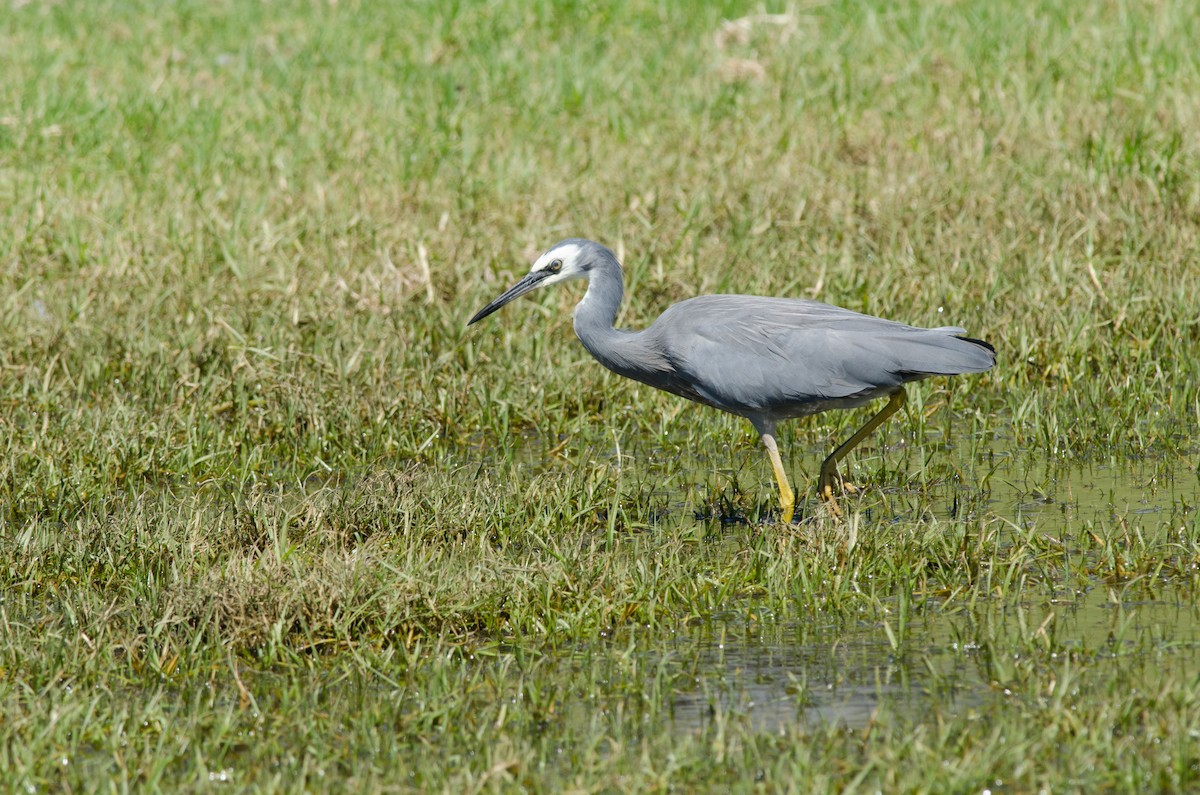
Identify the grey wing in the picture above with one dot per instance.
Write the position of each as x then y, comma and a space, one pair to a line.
791, 356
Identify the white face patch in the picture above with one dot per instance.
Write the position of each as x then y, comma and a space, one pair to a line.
567, 253
559, 264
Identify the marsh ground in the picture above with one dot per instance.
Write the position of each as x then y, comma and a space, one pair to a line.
274, 519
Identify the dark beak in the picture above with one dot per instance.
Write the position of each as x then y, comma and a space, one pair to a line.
530, 282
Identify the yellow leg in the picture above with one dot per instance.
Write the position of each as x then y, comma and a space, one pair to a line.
787, 498
829, 473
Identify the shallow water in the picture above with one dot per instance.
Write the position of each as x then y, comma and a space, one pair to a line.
768, 676
847, 677
772, 677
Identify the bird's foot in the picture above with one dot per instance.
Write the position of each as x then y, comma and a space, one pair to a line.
826, 492
827, 486
834, 478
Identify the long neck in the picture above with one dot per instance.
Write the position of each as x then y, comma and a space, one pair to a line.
634, 354
597, 312
623, 352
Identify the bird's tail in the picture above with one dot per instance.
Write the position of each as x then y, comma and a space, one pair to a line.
944, 352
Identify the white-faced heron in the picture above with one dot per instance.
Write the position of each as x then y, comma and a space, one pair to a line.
765, 359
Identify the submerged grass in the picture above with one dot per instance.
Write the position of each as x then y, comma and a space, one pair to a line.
272, 517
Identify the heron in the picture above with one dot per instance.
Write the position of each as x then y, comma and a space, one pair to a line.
763, 358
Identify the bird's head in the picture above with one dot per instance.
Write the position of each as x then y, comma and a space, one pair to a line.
573, 258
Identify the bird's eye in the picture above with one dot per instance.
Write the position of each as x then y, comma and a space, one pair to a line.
555, 266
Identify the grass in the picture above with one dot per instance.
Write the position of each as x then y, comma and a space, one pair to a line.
273, 519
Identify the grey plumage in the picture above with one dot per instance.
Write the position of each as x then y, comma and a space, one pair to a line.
765, 359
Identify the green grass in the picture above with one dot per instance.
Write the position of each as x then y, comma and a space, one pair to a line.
274, 519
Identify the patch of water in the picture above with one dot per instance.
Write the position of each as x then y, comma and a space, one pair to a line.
842, 679
847, 676
769, 680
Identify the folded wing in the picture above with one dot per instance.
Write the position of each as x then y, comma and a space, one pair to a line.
792, 356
